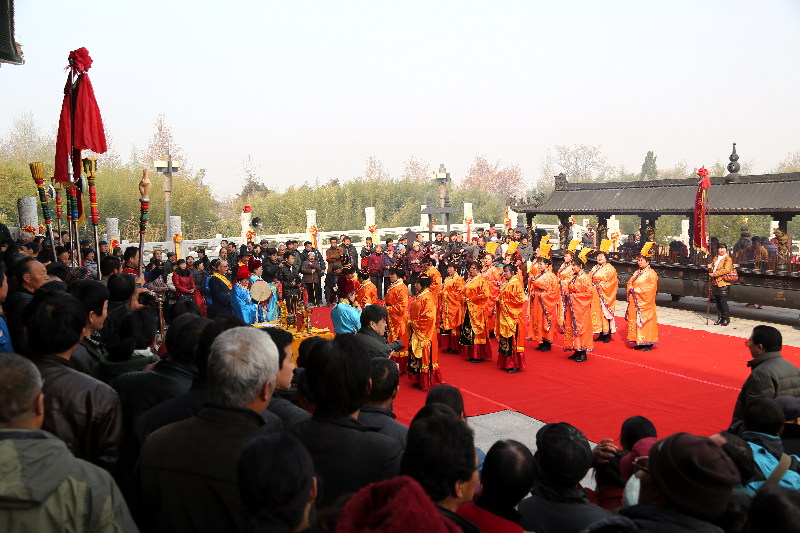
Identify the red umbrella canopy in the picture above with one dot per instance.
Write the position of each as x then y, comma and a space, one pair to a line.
80, 126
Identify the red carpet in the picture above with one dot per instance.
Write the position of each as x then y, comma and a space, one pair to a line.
689, 382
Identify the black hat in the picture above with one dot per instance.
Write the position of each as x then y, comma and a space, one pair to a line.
103, 242
170, 254
563, 453
790, 406
244, 251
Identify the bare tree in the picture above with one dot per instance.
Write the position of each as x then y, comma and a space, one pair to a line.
505, 181
253, 183
375, 170
417, 170
161, 144
580, 162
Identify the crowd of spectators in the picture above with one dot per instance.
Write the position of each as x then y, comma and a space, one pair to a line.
105, 426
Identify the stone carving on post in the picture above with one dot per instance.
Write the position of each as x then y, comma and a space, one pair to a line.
177, 234
311, 227
246, 218
369, 215
27, 209
112, 230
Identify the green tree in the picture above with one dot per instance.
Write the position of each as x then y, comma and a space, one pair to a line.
649, 168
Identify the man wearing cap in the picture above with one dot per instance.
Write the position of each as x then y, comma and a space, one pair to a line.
102, 250
770, 374
686, 482
349, 250
558, 503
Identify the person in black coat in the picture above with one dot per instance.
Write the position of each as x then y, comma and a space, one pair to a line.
219, 290
377, 411
289, 276
271, 266
347, 454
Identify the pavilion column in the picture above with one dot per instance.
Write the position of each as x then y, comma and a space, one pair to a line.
563, 230
647, 221
602, 227
782, 234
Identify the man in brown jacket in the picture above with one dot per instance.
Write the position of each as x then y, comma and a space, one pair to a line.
333, 256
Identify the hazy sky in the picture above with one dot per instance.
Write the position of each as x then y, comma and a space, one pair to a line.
311, 89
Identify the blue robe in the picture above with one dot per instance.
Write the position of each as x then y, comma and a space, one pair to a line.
267, 312
345, 318
243, 305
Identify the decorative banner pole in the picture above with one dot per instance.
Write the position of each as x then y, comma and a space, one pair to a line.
58, 211
145, 186
75, 238
90, 169
37, 171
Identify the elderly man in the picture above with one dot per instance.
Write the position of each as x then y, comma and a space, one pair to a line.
187, 470
51, 489
30, 275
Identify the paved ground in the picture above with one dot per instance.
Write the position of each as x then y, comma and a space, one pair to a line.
689, 312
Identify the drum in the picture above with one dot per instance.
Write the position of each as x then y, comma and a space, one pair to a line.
261, 291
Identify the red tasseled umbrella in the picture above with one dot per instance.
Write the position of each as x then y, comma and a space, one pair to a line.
80, 126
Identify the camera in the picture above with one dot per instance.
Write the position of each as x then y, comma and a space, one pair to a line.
148, 299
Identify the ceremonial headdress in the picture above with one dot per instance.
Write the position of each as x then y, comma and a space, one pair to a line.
491, 247
544, 250
605, 245
646, 249
345, 286
363, 274
573, 245
253, 264
425, 280
243, 273
584, 252
512, 247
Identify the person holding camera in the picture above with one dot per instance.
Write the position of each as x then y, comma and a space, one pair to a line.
372, 335
717, 270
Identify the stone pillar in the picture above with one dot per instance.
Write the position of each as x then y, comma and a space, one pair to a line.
311, 221
27, 211
468, 212
245, 218
423, 218
175, 227
112, 229
369, 216
685, 232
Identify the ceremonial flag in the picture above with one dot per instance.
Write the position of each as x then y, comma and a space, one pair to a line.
700, 237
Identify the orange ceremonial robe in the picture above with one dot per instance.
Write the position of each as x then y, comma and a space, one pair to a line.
510, 303
475, 337
544, 297
436, 282
451, 303
396, 302
423, 364
564, 274
494, 277
604, 298
367, 294
642, 319
577, 314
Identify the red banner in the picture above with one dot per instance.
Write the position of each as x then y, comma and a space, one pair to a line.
700, 237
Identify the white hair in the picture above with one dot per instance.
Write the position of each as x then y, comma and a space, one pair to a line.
240, 362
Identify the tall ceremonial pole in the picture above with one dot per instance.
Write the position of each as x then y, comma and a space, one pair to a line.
58, 211
145, 186
90, 169
37, 171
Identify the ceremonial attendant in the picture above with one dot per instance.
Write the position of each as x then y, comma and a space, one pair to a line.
266, 311
435, 275
451, 309
474, 335
544, 297
604, 297
494, 278
367, 292
578, 311
346, 315
722, 265
242, 260
219, 289
641, 294
564, 274
423, 354
396, 303
243, 305
510, 303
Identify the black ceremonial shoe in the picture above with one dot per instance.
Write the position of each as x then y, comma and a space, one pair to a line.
581, 357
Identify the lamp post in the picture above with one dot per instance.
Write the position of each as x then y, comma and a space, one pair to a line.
442, 177
167, 168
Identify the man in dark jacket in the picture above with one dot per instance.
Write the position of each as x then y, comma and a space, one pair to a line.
770, 374
291, 281
30, 274
282, 404
558, 503
349, 250
83, 412
686, 481
271, 266
139, 391
347, 454
371, 336
45, 487
187, 470
377, 411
